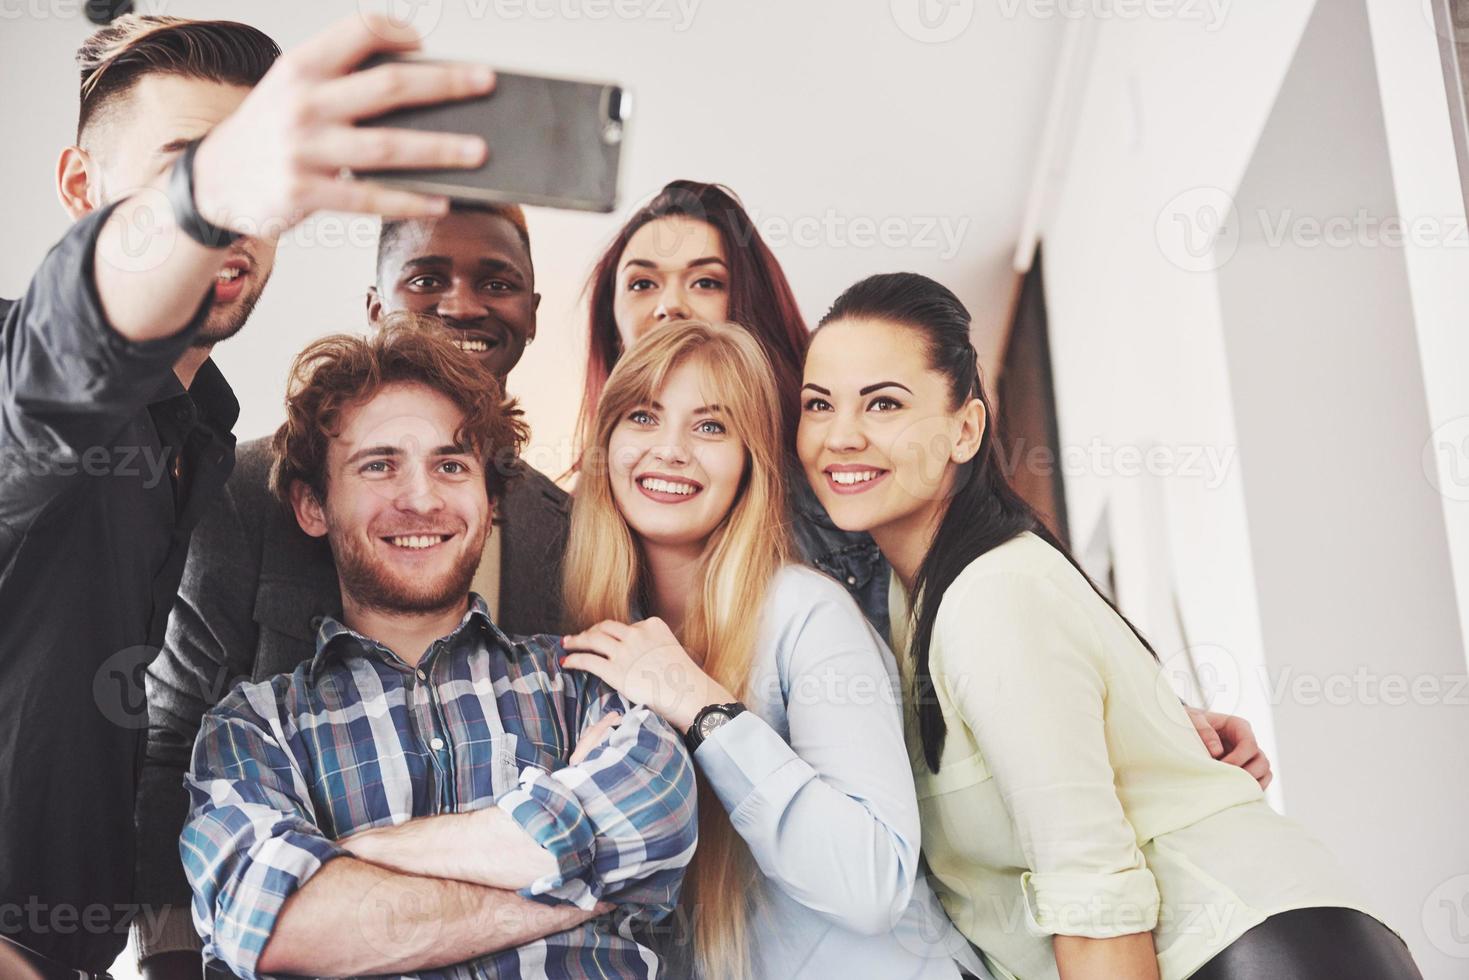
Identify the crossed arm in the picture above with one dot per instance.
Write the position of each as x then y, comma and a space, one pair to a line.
273, 895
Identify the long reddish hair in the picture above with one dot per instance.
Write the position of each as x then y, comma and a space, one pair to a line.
760, 298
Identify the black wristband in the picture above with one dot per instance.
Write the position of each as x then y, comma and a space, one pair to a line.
185, 213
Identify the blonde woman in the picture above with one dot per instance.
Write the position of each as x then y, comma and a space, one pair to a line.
807, 864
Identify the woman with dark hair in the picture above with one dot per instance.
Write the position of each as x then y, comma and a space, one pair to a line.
692, 252
1060, 782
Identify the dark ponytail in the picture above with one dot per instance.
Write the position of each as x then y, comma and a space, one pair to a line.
984, 511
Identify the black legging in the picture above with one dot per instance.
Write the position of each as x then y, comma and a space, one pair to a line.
1314, 944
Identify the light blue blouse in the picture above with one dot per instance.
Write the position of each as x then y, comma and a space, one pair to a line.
815, 778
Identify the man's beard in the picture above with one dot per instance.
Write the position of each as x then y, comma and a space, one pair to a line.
224, 322
374, 586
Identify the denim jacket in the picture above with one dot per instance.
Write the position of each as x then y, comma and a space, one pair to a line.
850, 557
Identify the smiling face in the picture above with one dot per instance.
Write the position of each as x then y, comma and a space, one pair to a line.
674, 466
406, 510
135, 141
472, 270
673, 268
879, 437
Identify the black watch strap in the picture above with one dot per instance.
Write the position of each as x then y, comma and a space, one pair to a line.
181, 198
695, 735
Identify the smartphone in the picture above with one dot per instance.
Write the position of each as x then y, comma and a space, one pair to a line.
554, 142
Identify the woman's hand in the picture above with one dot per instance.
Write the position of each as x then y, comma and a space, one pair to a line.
1230, 739
646, 664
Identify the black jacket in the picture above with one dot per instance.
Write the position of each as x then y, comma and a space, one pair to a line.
94, 528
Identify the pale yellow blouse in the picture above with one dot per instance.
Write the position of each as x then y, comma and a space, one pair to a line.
1073, 794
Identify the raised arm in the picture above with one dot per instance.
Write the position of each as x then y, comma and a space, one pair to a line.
1023, 664
69, 383
275, 160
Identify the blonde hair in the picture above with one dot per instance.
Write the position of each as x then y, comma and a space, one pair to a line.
605, 576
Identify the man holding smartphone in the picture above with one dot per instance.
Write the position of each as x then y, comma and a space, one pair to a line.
196, 148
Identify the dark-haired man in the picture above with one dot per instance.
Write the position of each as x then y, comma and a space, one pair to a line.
114, 424
256, 586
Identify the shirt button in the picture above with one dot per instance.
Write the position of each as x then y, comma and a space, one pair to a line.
851, 580
423, 677
436, 743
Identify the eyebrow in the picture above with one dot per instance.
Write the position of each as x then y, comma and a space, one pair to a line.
485, 263
645, 264
388, 452
701, 410
865, 391
884, 384
173, 146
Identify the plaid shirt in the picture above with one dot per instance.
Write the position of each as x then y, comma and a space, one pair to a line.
355, 738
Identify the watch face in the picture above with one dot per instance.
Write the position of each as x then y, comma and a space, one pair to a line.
712, 721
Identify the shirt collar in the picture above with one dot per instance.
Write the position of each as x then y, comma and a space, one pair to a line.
210, 393
330, 637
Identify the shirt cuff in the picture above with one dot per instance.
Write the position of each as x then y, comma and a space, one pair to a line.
251, 906
1095, 906
551, 813
164, 929
166, 349
745, 755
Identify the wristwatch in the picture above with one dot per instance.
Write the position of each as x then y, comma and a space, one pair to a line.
185, 212
710, 719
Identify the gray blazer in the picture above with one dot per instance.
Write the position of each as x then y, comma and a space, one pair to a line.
254, 589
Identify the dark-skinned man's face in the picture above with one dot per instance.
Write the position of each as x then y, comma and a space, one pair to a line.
470, 269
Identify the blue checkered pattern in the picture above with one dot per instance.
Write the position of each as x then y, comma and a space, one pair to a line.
355, 738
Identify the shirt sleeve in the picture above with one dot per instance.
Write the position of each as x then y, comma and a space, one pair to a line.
68, 381
830, 817
251, 840
1024, 666
622, 822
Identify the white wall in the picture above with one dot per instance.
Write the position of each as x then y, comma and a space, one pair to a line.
1324, 549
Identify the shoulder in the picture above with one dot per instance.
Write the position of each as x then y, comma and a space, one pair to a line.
528, 486
798, 590
809, 615
1024, 567
258, 704
249, 482
1024, 586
